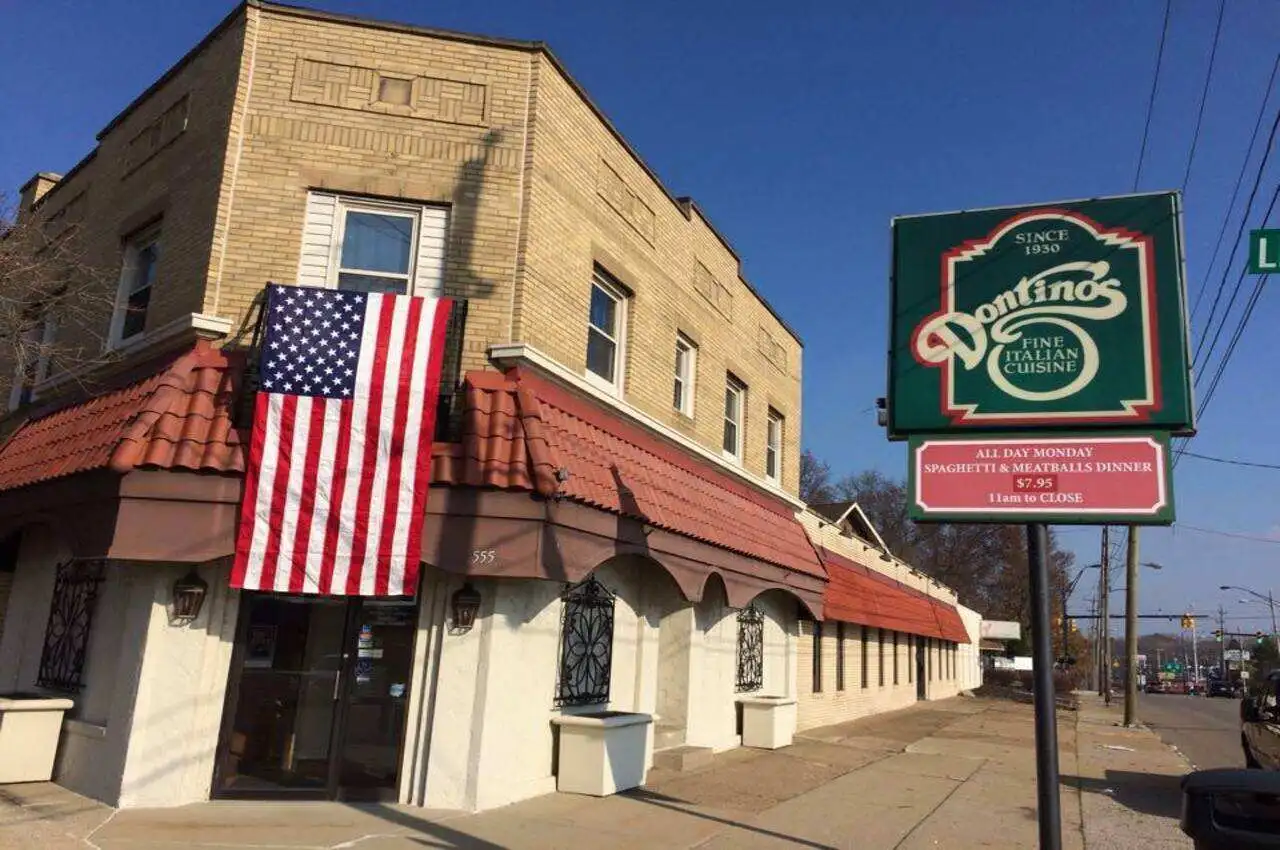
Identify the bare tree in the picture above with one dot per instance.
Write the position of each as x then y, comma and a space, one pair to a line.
815, 479
54, 302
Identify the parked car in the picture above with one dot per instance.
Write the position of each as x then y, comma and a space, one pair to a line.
1156, 686
1223, 688
1260, 725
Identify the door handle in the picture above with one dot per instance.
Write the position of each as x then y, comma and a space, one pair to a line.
337, 683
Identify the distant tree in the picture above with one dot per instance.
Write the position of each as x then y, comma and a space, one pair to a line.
815, 479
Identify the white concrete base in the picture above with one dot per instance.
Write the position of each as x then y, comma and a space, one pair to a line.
768, 723
29, 731
602, 753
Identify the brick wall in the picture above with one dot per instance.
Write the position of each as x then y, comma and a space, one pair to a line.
833, 704
538, 187
310, 121
159, 161
592, 204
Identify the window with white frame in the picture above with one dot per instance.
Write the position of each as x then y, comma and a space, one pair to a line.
735, 398
376, 253
606, 332
370, 245
686, 370
773, 446
137, 282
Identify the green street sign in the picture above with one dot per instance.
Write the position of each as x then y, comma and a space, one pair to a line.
1062, 315
1264, 251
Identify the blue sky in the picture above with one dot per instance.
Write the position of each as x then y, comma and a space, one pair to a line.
801, 129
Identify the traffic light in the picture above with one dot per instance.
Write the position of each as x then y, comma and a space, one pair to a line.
1217, 635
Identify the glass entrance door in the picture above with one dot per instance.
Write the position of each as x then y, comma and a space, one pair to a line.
377, 695
317, 697
279, 737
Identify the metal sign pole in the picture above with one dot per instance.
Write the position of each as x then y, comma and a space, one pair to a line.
1046, 714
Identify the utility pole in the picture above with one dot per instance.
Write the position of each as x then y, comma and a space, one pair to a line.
1131, 630
1222, 643
1194, 654
1104, 660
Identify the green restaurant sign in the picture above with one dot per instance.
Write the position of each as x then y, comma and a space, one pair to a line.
1066, 315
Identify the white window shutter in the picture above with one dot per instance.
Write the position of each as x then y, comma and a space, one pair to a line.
318, 235
429, 273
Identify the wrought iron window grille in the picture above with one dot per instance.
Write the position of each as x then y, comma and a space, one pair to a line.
66, 636
750, 675
586, 644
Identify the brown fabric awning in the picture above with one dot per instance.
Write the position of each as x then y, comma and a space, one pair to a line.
602, 486
543, 484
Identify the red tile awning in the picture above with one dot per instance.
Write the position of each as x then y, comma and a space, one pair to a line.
177, 416
525, 433
858, 594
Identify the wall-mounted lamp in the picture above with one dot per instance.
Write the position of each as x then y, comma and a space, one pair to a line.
188, 597
466, 604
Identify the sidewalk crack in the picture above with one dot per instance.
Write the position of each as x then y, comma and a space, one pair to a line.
940, 804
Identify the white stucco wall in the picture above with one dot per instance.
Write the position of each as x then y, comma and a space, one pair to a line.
709, 680
970, 658
181, 689
145, 726
481, 734
487, 696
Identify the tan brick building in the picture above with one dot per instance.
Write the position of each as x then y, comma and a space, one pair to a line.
615, 480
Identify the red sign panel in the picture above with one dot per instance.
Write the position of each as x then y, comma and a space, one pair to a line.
1080, 479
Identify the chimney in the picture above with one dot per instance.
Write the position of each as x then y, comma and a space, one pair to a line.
35, 189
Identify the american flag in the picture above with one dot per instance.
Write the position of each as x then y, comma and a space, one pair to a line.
340, 457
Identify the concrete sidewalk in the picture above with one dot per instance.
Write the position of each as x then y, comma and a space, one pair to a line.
953, 774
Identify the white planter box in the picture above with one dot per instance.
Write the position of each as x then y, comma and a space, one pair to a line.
603, 752
768, 722
29, 731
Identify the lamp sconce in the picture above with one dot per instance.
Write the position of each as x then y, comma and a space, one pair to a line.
466, 604
188, 597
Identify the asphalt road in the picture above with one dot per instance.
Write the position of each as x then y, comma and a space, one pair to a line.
1207, 731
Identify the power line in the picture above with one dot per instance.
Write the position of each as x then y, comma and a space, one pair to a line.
1204, 94
1151, 102
1262, 167
1235, 192
1232, 461
1245, 316
1253, 537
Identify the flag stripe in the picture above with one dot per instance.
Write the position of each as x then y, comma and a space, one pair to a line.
426, 395
288, 525
388, 449
373, 437
284, 416
327, 485
298, 579
389, 569
348, 515
249, 497
340, 455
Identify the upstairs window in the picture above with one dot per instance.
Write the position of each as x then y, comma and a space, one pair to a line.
366, 245
33, 356
606, 328
377, 249
735, 397
773, 446
686, 369
137, 281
